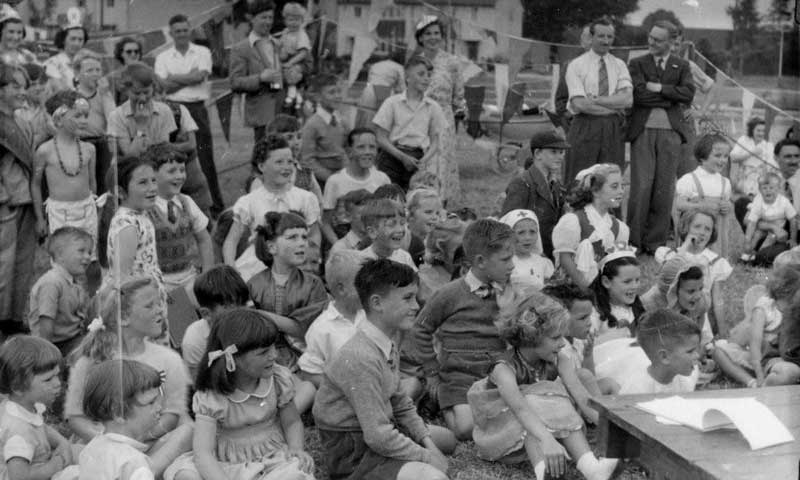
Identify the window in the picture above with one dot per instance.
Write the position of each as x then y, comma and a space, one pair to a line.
357, 12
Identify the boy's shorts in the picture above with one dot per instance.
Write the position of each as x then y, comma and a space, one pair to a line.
79, 213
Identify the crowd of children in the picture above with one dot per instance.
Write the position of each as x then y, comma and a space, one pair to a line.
341, 285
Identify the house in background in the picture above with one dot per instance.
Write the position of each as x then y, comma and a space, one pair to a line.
397, 25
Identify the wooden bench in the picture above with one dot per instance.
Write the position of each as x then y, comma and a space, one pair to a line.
680, 453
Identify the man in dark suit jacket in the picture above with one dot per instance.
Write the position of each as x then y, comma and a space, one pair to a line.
662, 89
256, 69
539, 187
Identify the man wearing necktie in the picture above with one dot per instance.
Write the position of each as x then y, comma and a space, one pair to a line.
600, 90
662, 89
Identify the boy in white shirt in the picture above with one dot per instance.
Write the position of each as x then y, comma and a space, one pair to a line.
385, 222
672, 343
768, 215
340, 320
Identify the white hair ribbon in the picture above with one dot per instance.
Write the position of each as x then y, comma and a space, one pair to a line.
228, 352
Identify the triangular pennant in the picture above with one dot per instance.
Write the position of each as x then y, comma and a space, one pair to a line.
224, 108
474, 95
376, 9
500, 84
517, 48
362, 49
513, 101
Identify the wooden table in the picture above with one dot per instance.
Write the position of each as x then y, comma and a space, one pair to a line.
680, 453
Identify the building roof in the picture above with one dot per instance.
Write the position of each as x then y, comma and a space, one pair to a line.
442, 3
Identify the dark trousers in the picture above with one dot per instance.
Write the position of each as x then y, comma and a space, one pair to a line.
655, 155
17, 249
102, 161
394, 168
687, 162
205, 152
259, 133
594, 140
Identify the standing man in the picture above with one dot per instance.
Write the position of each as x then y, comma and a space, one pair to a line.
600, 90
184, 69
662, 89
256, 69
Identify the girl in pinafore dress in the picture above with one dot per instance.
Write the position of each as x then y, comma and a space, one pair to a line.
246, 425
520, 409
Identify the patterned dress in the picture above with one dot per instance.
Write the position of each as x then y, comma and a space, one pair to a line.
447, 88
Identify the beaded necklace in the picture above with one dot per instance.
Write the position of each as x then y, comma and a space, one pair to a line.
61, 162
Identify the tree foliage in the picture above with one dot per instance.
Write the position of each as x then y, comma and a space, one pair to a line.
40, 11
745, 28
549, 19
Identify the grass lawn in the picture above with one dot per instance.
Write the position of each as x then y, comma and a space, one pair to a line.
481, 189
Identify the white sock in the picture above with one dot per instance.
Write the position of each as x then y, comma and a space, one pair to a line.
291, 91
539, 470
594, 469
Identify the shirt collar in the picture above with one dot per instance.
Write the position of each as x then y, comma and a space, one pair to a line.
337, 316
124, 439
63, 272
384, 343
190, 51
596, 56
163, 203
662, 57
16, 410
263, 389
474, 283
253, 37
326, 115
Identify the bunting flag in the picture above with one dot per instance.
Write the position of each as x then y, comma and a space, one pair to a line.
376, 9
474, 95
224, 106
517, 50
513, 101
362, 50
748, 101
500, 83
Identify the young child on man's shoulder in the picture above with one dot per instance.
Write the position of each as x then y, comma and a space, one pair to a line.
58, 300
521, 408
294, 52
349, 208
706, 187
183, 244
126, 398
576, 358
385, 223
324, 133
462, 315
68, 165
671, 342
768, 215
215, 290
340, 320
30, 377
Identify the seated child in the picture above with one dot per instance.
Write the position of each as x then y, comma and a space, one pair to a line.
183, 244
288, 128
424, 209
783, 287
125, 397
368, 426
127, 318
58, 301
616, 293
340, 320
30, 376
246, 425
521, 409
273, 158
584, 236
531, 268
295, 48
67, 164
385, 222
671, 342
439, 266
705, 187
293, 296
359, 173
768, 216
217, 289
697, 230
576, 358
350, 207
462, 315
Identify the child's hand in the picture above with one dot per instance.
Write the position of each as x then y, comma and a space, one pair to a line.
725, 208
102, 85
438, 459
306, 462
555, 456
588, 345
64, 450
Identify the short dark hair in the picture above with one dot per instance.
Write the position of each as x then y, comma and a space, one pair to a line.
351, 137
221, 286
390, 191
670, 27
65, 98
275, 223
126, 167
120, 46
379, 276
355, 198
752, 123
786, 142
36, 73
245, 328
605, 20
64, 235
264, 147
283, 123
567, 293
323, 80
179, 18
22, 357
692, 273
111, 388
255, 7
163, 153
418, 60
379, 209
138, 73
664, 328
705, 144
61, 36
484, 237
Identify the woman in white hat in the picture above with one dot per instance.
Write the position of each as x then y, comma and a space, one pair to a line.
447, 88
69, 41
12, 32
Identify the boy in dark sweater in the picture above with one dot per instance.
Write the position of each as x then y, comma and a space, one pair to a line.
462, 314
